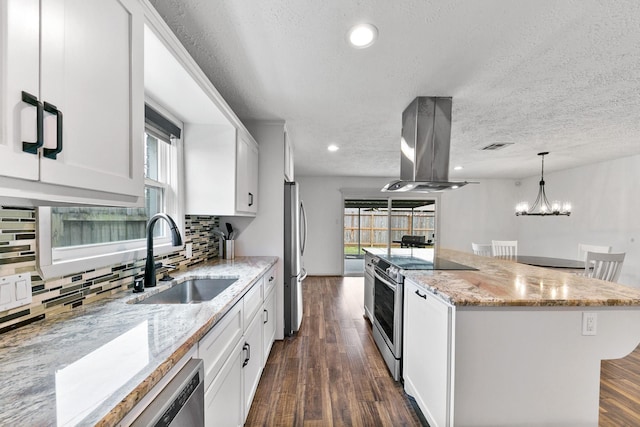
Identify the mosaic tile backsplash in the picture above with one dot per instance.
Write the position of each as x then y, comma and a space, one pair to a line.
18, 255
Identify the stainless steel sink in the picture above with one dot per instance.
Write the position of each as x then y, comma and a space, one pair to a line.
190, 292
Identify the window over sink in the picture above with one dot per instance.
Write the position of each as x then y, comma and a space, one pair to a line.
73, 239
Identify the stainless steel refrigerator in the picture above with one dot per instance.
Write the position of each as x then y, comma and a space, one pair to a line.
295, 238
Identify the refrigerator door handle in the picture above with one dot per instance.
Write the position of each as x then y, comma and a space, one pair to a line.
302, 275
303, 231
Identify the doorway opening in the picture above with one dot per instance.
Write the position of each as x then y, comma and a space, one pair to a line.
383, 224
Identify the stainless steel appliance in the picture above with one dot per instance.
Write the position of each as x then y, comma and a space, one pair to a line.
387, 314
387, 302
426, 140
295, 239
180, 403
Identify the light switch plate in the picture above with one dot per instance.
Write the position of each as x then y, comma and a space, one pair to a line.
15, 291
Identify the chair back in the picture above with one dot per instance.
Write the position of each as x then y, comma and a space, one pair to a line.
603, 266
504, 248
583, 249
483, 249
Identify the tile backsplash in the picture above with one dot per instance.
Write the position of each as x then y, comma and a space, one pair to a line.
57, 295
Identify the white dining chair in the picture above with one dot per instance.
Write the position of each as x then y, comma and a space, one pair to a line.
483, 249
603, 266
504, 248
583, 249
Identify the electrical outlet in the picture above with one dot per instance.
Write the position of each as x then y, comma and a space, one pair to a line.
589, 323
188, 250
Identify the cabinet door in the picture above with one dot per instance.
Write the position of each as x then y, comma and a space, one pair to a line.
269, 324
427, 353
91, 72
223, 400
252, 365
19, 56
246, 175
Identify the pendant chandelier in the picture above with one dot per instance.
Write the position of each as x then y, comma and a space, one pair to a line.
542, 207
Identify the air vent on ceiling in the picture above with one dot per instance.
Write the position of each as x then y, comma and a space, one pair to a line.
496, 146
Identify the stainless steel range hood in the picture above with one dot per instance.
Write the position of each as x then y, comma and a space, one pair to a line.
426, 137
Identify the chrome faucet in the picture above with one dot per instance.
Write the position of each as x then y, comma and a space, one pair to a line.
176, 240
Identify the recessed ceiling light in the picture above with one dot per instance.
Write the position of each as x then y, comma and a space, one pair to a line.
333, 148
362, 35
457, 168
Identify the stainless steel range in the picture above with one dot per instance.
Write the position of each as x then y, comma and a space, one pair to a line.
387, 314
388, 300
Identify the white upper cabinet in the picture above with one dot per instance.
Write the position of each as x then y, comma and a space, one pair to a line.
221, 168
73, 114
246, 175
19, 56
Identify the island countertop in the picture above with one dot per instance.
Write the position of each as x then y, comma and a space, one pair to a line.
123, 349
498, 282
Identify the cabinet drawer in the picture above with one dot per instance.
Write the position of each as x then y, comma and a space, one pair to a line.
252, 302
270, 280
215, 347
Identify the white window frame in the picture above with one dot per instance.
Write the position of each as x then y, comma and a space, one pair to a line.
75, 259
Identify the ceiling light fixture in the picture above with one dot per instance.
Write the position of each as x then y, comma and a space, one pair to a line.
333, 148
362, 35
457, 168
542, 207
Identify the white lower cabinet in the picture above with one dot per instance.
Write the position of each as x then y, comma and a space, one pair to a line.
269, 324
234, 355
252, 364
427, 353
223, 400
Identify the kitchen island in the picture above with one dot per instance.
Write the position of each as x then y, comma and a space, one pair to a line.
512, 344
92, 366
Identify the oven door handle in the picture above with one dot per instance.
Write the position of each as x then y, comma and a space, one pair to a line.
389, 285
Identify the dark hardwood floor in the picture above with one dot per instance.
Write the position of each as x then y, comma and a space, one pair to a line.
331, 373
620, 391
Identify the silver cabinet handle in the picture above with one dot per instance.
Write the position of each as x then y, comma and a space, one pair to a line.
421, 295
267, 313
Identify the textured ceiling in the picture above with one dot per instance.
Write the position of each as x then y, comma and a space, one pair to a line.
545, 75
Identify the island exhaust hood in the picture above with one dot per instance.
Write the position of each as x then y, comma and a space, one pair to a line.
426, 137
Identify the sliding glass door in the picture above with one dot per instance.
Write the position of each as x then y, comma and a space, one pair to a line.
383, 224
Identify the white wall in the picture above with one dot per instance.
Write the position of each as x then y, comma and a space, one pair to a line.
264, 234
606, 211
478, 213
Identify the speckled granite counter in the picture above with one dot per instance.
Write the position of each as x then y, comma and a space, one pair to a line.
507, 283
123, 348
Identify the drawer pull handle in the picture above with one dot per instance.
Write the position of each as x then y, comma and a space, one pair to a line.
421, 295
267, 313
271, 279
247, 348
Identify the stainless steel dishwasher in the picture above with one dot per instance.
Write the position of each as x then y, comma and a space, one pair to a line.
180, 403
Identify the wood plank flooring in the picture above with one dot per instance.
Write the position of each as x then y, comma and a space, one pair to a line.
620, 391
331, 373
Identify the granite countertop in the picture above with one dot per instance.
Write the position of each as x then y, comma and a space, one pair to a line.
92, 365
500, 282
